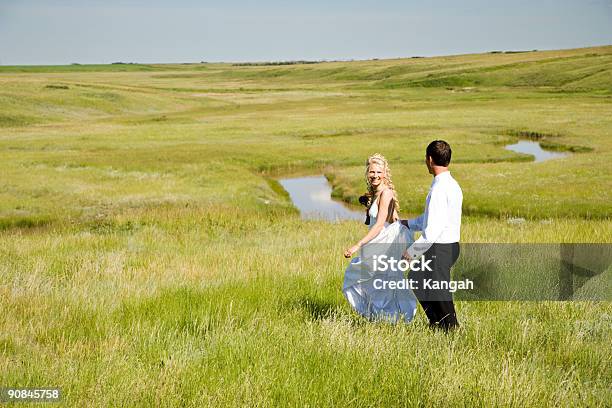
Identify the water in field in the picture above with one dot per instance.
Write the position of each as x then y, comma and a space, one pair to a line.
312, 196
534, 149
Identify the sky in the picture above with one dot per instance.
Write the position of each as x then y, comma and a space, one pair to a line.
36, 32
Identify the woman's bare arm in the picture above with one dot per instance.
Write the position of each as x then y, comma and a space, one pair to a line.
383, 211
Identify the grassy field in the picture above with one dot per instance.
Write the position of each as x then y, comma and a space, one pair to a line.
149, 257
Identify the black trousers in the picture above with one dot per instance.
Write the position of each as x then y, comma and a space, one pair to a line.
438, 303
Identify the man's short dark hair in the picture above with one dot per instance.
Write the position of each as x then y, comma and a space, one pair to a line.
440, 152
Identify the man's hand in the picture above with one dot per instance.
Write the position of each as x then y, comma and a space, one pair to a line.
406, 255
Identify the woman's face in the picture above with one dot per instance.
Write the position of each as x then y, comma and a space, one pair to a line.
375, 175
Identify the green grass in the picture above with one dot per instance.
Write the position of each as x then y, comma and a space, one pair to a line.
149, 256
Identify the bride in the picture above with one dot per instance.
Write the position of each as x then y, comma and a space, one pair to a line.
366, 283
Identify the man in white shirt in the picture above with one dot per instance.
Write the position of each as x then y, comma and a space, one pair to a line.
440, 226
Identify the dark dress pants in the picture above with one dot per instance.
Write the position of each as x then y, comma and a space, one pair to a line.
438, 303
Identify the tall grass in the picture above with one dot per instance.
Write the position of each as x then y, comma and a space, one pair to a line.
150, 259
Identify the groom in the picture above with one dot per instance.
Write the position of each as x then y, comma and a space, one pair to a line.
439, 241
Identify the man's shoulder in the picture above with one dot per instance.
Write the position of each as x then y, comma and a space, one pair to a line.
453, 180
448, 185
447, 181
455, 183
456, 186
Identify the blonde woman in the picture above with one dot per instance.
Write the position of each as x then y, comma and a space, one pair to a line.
374, 291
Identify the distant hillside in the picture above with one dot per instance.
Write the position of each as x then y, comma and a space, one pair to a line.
574, 69
114, 67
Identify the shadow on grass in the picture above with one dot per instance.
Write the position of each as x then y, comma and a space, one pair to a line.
316, 310
25, 222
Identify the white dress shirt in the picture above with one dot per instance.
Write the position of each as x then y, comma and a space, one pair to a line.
441, 221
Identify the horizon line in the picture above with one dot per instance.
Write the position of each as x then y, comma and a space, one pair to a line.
297, 61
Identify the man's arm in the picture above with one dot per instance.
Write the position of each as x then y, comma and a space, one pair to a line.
437, 214
415, 224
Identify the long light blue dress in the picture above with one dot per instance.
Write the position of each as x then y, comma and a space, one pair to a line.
362, 284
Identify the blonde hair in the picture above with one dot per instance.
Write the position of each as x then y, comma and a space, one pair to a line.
379, 159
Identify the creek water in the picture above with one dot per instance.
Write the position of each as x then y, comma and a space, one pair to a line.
534, 149
312, 196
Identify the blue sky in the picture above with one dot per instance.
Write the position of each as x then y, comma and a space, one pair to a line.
96, 31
